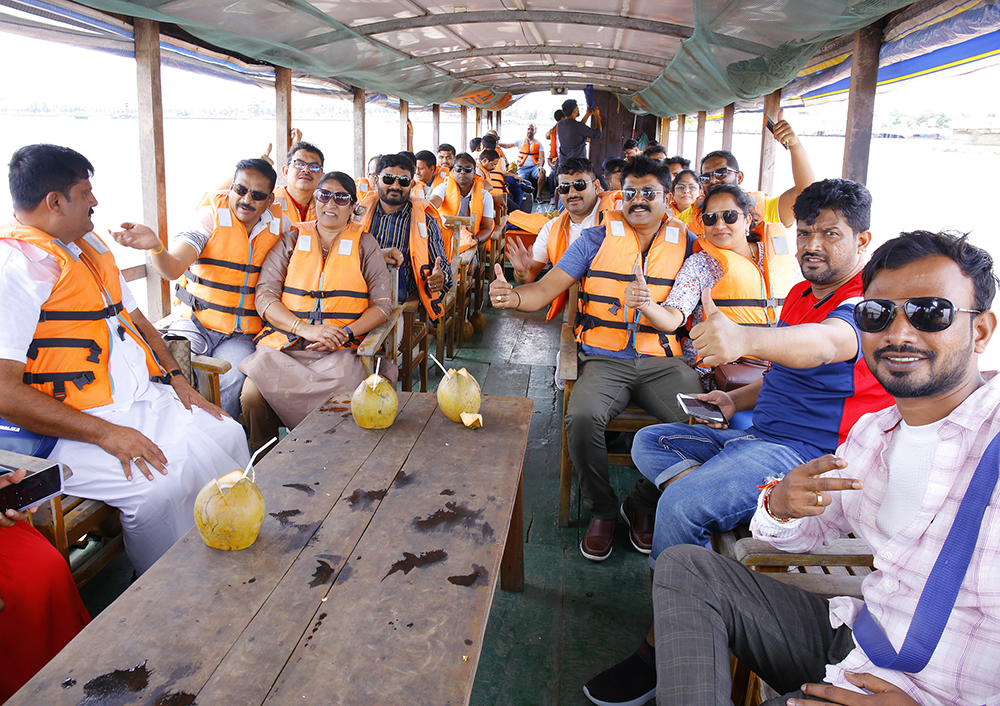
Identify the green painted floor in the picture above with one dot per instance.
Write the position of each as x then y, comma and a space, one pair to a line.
574, 618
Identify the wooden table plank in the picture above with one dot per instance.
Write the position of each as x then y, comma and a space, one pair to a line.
434, 543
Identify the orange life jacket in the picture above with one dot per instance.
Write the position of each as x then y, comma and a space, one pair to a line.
498, 187
287, 206
69, 353
744, 294
363, 187
453, 201
333, 292
219, 287
529, 148
698, 228
420, 254
603, 320
554, 142
559, 241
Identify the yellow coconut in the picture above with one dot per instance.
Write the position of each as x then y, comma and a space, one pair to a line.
458, 392
229, 512
473, 421
478, 321
374, 404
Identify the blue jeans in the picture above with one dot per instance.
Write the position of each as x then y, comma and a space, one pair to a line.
718, 495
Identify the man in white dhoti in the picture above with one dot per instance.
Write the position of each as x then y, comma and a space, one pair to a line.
77, 357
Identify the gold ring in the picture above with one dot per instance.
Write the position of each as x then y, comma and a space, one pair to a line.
819, 498
136, 459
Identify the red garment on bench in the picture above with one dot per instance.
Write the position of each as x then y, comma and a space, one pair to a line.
43, 608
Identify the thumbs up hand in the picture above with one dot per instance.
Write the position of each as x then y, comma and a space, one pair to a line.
783, 132
502, 295
718, 339
435, 281
267, 154
637, 295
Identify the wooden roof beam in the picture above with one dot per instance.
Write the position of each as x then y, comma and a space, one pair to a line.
520, 50
557, 68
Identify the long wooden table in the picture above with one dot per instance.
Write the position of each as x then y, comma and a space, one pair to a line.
370, 583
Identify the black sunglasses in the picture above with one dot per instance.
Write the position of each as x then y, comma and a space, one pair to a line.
730, 216
390, 179
930, 314
579, 184
341, 198
242, 191
462, 170
720, 174
647, 192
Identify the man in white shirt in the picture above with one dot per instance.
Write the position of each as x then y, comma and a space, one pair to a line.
77, 355
916, 481
577, 187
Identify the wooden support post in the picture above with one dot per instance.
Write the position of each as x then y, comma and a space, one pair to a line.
497, 119
479, 129
681, 120
861, 101
699, 144
404, 115
463, 134
728, 114
768, 145
665, 133
436, 125
282, 115
359, 132
152, 162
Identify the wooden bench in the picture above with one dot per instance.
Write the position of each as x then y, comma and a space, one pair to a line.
371, 580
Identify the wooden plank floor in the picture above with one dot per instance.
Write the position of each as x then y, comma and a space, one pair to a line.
574, 618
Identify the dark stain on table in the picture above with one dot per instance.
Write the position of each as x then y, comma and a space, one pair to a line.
478, 577
365, 497
68, 684
114, 687
401, 479
452, 513
181, 698
323, 572
283, 518
447, 491
300, 486
412, 561
331, 430
487, 531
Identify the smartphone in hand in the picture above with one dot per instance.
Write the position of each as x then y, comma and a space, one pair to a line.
705, 411
34, 489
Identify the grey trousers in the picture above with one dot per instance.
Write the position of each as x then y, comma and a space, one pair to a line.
705, 605
604, 388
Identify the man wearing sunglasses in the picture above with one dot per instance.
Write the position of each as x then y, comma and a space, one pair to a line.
817, 387
577, 187
721, 166
623, 355
408, 230
916, 481
218, 258
465, 194
303, 170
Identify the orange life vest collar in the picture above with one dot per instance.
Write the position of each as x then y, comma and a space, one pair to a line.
529, 148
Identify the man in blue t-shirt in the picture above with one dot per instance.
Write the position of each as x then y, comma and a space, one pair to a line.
817, 387
625, 269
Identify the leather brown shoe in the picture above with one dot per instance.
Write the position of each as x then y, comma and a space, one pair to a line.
640, 528
597, 541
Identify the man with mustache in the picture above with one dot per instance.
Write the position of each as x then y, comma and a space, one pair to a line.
623, 357
815, 390
218, 258
80, 362
464, 193
916, 481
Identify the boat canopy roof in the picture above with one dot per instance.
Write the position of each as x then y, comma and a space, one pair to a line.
660, 57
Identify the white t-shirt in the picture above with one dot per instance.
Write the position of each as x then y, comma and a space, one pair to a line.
540, 250
531, 160
488, 210
908, 461
29, 274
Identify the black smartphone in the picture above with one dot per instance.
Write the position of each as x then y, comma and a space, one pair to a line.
769, 123
705, 411
34, 489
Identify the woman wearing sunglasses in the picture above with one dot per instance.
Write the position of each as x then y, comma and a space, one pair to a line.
320, 290
748, 279
685, 193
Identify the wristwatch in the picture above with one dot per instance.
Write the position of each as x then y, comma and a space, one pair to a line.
171, 375
347, 329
